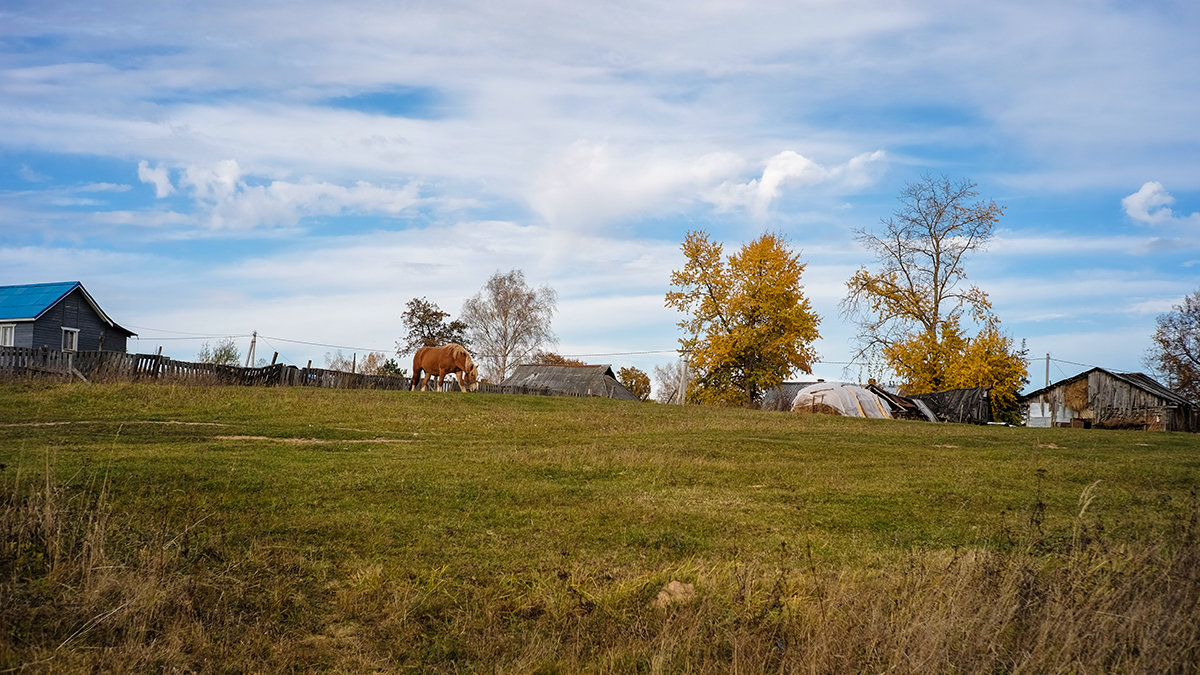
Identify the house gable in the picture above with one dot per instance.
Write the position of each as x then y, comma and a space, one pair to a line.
41, 313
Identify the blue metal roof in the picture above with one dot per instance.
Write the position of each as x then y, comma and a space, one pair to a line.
29, 301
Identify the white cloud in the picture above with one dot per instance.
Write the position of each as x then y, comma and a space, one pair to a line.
592, 183
158, 176
105, 187
790, 168
233, 200
28, 174
1151, 205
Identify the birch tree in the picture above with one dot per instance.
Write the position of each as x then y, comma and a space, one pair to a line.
508, 322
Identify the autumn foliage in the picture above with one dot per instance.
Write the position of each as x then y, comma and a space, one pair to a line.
636, 381
1175, 348
912, 308
748, 324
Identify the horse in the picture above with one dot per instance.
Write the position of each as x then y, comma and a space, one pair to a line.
442, 361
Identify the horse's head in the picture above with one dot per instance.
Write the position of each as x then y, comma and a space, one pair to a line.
472, 375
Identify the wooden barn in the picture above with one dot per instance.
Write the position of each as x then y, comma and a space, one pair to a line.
569, 381
1103, 399
62, 316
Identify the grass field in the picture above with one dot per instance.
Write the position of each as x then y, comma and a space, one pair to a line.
159, 528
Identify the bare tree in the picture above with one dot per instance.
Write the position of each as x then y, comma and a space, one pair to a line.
508, 322
673, 380
920, 248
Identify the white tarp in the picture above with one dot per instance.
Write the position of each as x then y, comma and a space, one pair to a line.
848, 400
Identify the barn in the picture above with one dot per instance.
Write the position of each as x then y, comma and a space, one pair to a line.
569, 381
1102, 399
62, 316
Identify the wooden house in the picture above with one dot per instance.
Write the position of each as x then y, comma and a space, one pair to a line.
569, 381
1102, 399
62, 316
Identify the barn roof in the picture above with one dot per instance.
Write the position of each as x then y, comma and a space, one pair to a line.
27, 302
1139, 380
570, 380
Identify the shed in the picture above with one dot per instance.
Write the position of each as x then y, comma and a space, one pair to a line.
1102, 399
61, 316
569, 381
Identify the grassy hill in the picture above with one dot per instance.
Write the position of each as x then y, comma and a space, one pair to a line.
170, 528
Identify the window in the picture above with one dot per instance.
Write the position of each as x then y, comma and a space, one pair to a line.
70, 339
7, 335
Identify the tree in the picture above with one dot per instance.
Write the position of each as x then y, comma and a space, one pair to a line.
508, 322
928, 362
673, 382
224, 354
1174, 354
427, 327
748, 323
910, 311
372, 363
390, 367
636, 381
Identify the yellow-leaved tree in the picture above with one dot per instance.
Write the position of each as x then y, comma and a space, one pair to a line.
748, 324
911, 309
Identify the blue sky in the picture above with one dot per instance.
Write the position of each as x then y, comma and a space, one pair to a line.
304, 169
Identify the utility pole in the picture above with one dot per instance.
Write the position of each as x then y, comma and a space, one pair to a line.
250, 354
1047, 369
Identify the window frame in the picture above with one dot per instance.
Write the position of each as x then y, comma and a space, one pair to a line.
8, 330
74, 333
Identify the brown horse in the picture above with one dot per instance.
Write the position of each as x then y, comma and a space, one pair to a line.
442, 361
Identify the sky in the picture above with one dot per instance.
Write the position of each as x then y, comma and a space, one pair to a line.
301, 170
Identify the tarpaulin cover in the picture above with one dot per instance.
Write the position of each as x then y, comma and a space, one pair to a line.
848, 400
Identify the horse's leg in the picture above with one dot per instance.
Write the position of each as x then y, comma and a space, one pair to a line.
416, 378
425, 382
459, 376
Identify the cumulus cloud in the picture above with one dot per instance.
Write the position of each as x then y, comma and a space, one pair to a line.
158, 176
790, 169
591, 183
1150, 205
234, 200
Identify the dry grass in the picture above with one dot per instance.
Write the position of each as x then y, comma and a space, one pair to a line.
161, 547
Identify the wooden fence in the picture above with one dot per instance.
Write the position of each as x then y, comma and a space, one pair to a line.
98, 366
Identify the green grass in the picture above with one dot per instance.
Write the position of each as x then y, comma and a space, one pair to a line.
176, 528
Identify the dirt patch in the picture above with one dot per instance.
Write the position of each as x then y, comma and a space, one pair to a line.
1052, 446
312, 441
945, 445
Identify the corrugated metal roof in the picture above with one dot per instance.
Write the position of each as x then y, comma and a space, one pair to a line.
27, 302
570, 380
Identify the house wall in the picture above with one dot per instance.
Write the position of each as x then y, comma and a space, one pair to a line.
1048, 410
74, 311
23, 334
1109, 402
